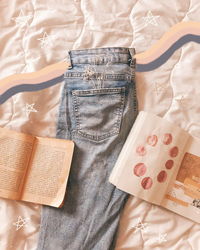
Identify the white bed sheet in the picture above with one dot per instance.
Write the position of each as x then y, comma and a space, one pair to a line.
37, 33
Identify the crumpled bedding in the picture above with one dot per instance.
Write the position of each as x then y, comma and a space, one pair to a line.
37, 33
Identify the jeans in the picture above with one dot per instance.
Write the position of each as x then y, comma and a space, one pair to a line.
97, 109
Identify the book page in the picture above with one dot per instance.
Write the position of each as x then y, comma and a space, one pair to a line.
183, 197
150, 158
48, 171
15, 152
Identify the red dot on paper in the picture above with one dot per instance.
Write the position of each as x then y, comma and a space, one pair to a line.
169, 164
140, 169
162, 176
152, 140
140, 150
173, 152
147, 182
167, 138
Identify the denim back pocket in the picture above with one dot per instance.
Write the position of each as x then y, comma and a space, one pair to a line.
98, 112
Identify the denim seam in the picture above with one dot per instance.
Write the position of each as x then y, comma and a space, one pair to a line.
135, 102
120, 112
132, 78
98, 62
76, 110
95, 76
94, 53
97, 138
98, 91
134, 86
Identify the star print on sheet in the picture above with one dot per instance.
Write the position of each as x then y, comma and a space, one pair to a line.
22, 19
150, 19
140, 226
20, 222
159, 88
161, 238
29, 108
181, 101
46, 40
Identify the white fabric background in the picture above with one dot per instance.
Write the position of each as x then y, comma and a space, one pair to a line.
37, 33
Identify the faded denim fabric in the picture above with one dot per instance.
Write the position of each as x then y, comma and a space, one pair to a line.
97, 110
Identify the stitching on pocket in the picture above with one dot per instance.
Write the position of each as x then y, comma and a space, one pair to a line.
76, 110
105, 91
120, 111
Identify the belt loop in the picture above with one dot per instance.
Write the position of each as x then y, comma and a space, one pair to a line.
68, 59
132, 62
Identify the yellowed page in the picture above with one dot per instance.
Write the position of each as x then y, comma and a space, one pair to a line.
15, 153
48, 171
183, 196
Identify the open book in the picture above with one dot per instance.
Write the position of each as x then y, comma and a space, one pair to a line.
34, 169
160, 163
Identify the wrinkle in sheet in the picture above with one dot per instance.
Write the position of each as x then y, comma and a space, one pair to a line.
89, 24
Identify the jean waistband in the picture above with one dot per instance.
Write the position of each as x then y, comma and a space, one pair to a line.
101, 55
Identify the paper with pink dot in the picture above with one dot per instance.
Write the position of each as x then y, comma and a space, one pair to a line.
140, 168
149, 160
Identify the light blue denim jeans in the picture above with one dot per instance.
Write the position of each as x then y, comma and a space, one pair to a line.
97, 110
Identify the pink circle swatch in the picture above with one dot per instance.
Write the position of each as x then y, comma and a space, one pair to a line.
152, 140
173, 151
140, 169
140, 150
167, 139
169, 164
162, 176
147, 182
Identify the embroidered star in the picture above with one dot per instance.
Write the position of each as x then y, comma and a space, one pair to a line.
161, 238
89, 71
159, 88
140, 226
22, 20
150, 19
182, 101
20, 222
29, 108
46, 40
108, 65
